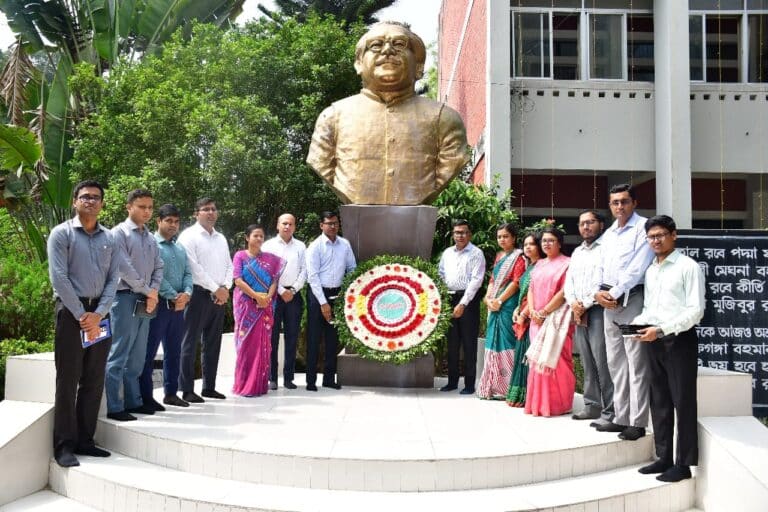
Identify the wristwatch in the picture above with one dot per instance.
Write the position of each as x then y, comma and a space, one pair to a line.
659, 332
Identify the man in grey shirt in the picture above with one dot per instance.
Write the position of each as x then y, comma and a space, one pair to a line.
83, 266
141, 272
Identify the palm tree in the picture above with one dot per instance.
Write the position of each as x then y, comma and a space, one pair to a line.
348, 11
68, 33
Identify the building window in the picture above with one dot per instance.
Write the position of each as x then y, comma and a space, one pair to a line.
696, 48
640, 47
565, 46
543, 53
758, 48
606, 59
531, 43
717, 59
722, 48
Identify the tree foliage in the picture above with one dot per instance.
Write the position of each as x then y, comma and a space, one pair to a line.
53, 38
481, 207
347, 11
222, 114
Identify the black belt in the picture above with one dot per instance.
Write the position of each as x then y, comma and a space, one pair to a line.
331, 293
88, 301
123, 291
636, 288
456, 292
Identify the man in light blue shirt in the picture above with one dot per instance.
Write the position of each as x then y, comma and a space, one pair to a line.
141, 272
626, 255
168, 326
329, 259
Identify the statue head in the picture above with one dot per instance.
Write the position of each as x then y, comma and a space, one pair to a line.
389, 57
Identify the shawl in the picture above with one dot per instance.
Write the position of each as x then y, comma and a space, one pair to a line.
545, 350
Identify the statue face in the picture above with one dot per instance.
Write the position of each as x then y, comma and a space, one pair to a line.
388, 63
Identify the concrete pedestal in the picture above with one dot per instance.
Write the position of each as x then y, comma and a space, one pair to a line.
399, 230
353, 370
373, 230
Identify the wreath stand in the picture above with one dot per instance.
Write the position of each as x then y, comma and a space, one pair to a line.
374, 230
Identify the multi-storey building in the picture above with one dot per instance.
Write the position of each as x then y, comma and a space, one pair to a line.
564, 98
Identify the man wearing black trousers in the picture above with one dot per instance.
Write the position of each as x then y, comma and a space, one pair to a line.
83, 263
673, 305
211, 265
462, 267
288, 303
329, 259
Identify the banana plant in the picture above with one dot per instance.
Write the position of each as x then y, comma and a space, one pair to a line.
69, 32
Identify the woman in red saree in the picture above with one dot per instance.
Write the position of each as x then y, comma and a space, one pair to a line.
551, 381
256, 274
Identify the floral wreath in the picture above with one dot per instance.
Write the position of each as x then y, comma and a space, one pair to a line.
394, 309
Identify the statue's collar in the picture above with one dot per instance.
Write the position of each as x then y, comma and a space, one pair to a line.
388, 98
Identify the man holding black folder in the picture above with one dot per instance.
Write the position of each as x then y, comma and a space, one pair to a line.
141, 272
625, 257
83, 265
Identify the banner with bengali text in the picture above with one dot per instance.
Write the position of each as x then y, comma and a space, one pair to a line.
733, 335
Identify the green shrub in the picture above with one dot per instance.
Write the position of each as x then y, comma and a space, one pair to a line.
18, 347
26, 300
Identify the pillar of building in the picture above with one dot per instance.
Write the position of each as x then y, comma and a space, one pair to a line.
498, 129
673, 111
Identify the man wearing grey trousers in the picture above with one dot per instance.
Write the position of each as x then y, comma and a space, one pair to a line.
626, 256
582, 282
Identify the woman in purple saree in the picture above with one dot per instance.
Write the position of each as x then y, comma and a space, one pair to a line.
256, 275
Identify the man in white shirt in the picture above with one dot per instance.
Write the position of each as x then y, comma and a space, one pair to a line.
211, 264
329, 259
288, 303
462, 267
626, 255
582, 282
674, 304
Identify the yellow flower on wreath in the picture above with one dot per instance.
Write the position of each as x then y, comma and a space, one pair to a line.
360, 305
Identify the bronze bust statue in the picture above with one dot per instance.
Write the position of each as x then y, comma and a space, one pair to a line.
386, 145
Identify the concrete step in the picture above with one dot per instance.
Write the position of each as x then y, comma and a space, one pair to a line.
363, 439
46, 501
120, 483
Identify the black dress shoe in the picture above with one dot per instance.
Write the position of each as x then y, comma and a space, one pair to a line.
467, 391
632, 433
175, 400
67, 460
142, 409
659, 466
273, 385
289, 385
449, 387
93, 451
585, 414
192, 397
153, 404
333, 385
610, 427
121, 416
311, 387
212, 393
675, 474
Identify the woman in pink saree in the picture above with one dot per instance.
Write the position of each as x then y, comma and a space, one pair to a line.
256, 274
551, 381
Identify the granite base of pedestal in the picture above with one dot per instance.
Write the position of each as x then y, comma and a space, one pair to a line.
401, 230
353, 370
